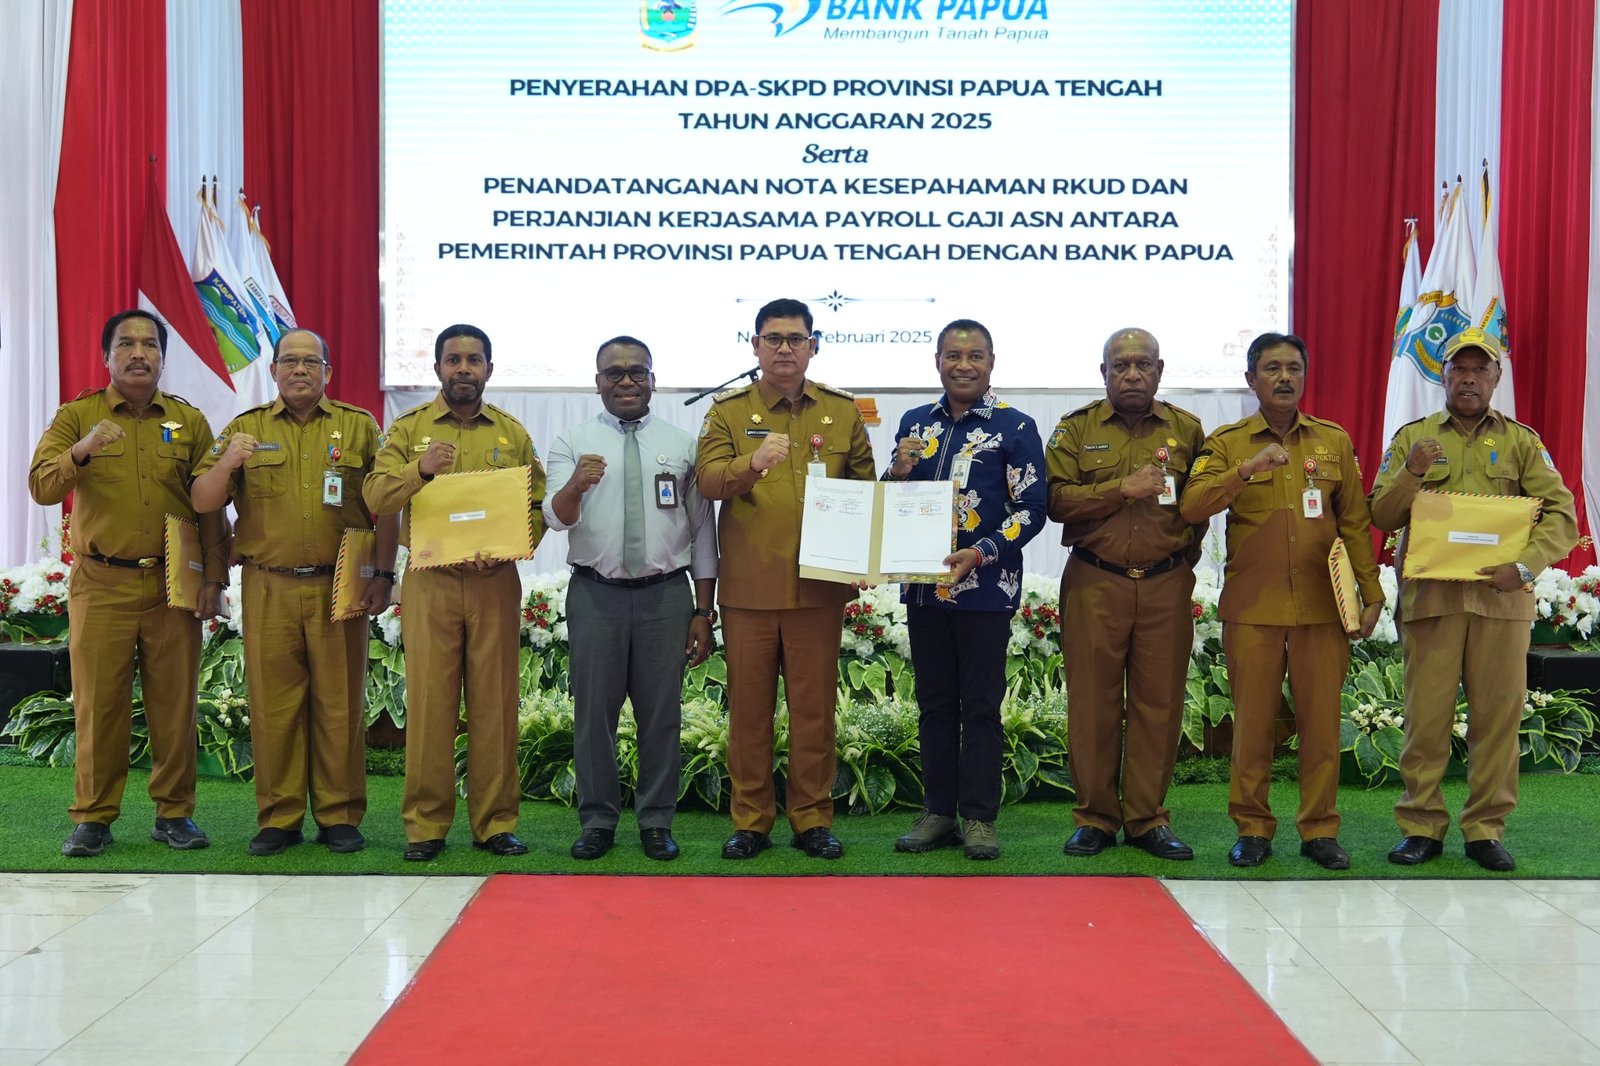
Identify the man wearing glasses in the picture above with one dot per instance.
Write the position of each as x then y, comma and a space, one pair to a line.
294, 469
758, 444
638, 532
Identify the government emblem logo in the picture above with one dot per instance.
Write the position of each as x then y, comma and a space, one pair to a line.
668, 25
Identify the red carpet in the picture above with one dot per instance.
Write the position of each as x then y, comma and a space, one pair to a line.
827, 970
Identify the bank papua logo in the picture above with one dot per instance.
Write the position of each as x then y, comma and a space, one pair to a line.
787, 15
667, 25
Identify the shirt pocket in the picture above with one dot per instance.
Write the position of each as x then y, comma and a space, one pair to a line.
108, 465
1258, 495
266, 474
1434, 480
1506, 476
173, 462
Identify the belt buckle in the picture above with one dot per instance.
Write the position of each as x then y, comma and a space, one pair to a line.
302, 571
149, 562
1137, 572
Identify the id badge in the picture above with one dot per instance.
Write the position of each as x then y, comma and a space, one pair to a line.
1311, 503
816, 470
666, 490
1169, 491
333, 488
960, 470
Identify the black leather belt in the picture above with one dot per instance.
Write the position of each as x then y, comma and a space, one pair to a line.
292, 571
149, 562
1134, 573
589, 573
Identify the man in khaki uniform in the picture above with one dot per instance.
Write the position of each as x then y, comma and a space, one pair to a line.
1278, 609
755, 447
460, 624
294, 469
1473, 634
1116, 468
126, 453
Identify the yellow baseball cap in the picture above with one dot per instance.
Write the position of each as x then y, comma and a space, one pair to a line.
1473, 337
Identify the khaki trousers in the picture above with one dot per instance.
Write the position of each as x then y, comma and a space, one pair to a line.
462, 640
1125, 646
1316, 658
802, 644
307, 679
117, 615
1489, 656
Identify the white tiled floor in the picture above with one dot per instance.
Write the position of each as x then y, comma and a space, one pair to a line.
281, 971
1464, 973
269, 971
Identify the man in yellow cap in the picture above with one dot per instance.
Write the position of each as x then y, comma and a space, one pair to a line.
1471, 634
127, 454
294, 468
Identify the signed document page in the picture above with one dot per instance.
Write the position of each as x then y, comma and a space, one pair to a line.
836, 530
918, 528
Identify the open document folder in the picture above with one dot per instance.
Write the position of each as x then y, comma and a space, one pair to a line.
356, 566
1452, 535
487, 513
877, 531
185, 571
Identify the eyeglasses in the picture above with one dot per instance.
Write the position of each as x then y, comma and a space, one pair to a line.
775, 341
614, 374
310, 363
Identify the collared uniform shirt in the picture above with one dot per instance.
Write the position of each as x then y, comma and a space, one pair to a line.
278, 491
493, 440
125, 491
674, 537
999, 508
1499, 456
1277, 570
1089, 454
759, 521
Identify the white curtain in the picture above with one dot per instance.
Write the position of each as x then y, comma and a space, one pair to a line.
1467, 105
33, 70
545, 414
205, 115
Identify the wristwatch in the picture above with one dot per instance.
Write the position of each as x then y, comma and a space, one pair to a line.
708, 613
386, 574
1524, 573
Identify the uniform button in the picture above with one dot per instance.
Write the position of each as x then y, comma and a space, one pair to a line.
307, 515
1294, 570
1291, 540
305, 484
303, 456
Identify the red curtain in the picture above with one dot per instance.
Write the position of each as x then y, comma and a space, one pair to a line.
1364, 105
1544, 221
311, 117
115, 123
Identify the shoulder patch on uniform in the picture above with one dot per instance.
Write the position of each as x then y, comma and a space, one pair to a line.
1388, 458
1550, 464
1199, 463
705, 424
728, 394
835, 390
1055, 438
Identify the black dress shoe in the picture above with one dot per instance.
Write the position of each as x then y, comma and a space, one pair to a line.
1161, 843
593, 843
658, 844
818, 842
1491, 855
1326, 853
502, 844
745, 844
88, 838
180, 833
341, 839
424, 850
1089, 840
1250, 851
273, 841
1414, 851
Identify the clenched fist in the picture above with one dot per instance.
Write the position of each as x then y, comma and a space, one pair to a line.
102, 433
774, 450
1143, 483
440, 456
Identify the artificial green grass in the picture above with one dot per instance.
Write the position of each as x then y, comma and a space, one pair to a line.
1551, 835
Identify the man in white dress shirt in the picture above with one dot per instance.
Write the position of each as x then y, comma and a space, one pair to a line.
638, 533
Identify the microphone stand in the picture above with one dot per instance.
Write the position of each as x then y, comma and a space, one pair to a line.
753, 373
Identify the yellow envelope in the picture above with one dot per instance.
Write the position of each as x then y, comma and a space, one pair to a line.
1345, 593
1452, 534
358, 553
482, 512
185, 572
